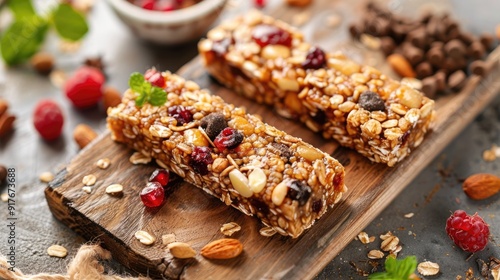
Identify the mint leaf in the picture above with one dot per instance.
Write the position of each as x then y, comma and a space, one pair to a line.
136, 81
141, 99
21, 8
396, 269
69, 23
22, 39
158, 96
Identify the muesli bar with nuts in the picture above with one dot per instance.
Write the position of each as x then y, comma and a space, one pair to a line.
231, 155
268, 61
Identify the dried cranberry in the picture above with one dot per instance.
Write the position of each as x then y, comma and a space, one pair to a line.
265, 34
229, 138
317, 205
84, 88
147, 4
315, 59
153, 194
337, 180
181, 114
260, 3
155, 78
201, 157
260, 206
299, 191
48, 119
371, 101
213, 124
220, 47
161, 176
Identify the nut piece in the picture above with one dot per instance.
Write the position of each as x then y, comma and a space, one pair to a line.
257, 180
83, 135
4, 106
110, 97
89, 180
482, 185
240, 183
279, 193
87, 189
57, 251
299, 3
46, 177
42, 62
229, 228
6, 123
167, 238
428, 268
139, 158
181, 250
144, 237
103, 163
375, 254
402, 66
309, 153
222, 249
114, 189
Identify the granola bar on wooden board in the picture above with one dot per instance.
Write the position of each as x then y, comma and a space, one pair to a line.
231, 155
268, 61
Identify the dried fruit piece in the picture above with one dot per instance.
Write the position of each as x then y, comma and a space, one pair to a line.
265, 34
481, 186
371, 101
315, 59
57, 251
201, 157
48, 119
470, 233
83, 135
181, 114
299, 191
144, 237
84, 88
152, 195
428, 268
181, 250
221, 249
229, 138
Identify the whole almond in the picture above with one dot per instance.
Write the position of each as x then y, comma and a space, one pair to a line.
4, 106
401, 65
111, 97
83, 135
6, 123
222, 249
181, 250
299, 3
43, 63
482, 185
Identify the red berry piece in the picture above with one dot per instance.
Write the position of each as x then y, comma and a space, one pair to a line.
201, 157
181, 114
147, 4
84, 88
155, 78
265, 34
48, 119
153, 194
260, 3
220, 47
315, 59
228, 138
470, 233
161, 176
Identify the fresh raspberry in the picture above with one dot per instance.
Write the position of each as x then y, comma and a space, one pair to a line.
84, 88
470, 233
48, 119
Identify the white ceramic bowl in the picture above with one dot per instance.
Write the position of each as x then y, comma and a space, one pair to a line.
169, 28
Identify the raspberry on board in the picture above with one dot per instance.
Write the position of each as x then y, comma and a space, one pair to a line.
471, 233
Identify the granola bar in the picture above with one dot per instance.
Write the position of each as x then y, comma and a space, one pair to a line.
232, 155
268, 61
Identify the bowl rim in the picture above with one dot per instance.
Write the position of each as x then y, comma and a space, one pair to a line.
193, 12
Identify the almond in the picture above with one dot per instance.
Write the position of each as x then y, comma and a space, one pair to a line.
481, 186
111, 97
222, 249
83, 135
43, 63
300, 3
6, 123
4, 106
401, 65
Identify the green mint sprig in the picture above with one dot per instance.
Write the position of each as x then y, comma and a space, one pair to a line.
147, 93
25, 35
396, 269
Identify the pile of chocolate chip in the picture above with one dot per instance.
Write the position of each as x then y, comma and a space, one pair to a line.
441, 54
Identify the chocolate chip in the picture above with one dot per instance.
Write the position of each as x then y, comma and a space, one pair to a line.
418, 38
435, 56
455, 49
440, 78
387, 45
466, 37
371, 101
413, 54
429, 87
476, 50
457, 80
281, 149
487, 40
424, 69
479, 67
213, 124
356, 30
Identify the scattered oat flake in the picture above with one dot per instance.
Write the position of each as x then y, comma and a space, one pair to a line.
491, 154
428, 268
390, 244
229, 228
167, 238
333, 21
139, 158
375, 254
87, 189
4, 197
46, 177
409, 215
89, 180
144, 237
363, 237
386, 235
68, 46
114, 189
370, 41
57, 251
301, 18
103, 163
